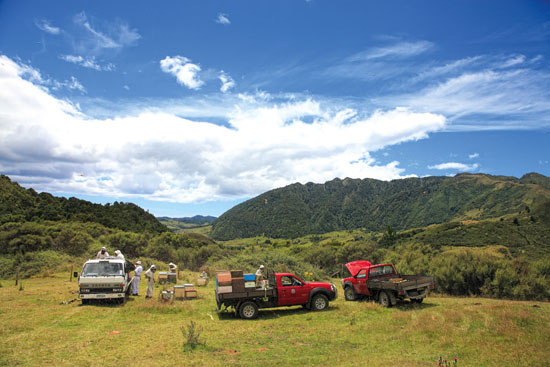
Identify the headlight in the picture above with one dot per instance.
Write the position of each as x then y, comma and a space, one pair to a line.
117, 289
84, 290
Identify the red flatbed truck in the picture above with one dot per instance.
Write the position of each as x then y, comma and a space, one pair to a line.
284, 290
382, 283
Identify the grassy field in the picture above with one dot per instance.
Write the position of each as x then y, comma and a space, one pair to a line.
37, 329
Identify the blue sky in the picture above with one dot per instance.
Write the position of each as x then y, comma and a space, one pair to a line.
190, 107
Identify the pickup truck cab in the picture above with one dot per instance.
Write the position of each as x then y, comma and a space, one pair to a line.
285, 289
107, 278
381, 282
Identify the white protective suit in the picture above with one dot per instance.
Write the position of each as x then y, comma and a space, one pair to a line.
137, 278
102, 254
150, 275
260, 277
119, 254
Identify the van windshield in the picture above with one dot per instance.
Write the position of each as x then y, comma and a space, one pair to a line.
102, 269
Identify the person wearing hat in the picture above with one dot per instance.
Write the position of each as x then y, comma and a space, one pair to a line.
150, 275
102, 254
173, 269
260, 276
137, 278
119, 254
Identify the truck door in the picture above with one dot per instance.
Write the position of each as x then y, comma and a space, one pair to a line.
360, 285
292, 291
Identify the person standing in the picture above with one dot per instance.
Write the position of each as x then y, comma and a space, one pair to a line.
102, 254
150, 275
173, 269
137, 278
119, 254
260, 277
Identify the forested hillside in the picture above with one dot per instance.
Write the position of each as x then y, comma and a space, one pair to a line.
18, 204
298, 210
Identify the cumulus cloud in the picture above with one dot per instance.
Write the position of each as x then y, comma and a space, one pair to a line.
44, 25
223, 19
455, 166
49, 143
185, 72
227, 82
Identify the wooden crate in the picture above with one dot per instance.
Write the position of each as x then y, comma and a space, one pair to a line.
223, 278
190, 293
236, 274
179, 292
237, 284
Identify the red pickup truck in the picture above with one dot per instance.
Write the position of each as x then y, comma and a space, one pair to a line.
381, 282
284, 289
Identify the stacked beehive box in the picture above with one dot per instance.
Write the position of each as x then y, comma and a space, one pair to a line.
163, 277
223, 282
237, 280
249, 281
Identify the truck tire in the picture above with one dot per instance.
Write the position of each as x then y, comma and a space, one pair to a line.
417, 300
248, 310
349, 294
384, 299
319, 302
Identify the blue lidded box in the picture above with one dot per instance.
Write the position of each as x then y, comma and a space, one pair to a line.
249, 277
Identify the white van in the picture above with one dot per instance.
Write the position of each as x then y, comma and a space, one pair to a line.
107, 278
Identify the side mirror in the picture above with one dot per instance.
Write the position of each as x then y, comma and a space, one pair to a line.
75, 274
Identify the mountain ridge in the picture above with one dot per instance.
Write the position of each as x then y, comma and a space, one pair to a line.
300, 209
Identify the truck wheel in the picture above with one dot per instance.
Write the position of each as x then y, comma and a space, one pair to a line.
319, 302
384, 299
349, 294
417, 300
248, 310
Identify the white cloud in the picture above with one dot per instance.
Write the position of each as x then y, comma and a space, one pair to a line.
93, 41
474, 155
44, 25
185, 72
488, 98
87, 62
455, 166
158, 155
72, 84
397, 50
227, 82
223, 19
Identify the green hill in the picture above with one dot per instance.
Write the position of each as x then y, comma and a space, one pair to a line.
298, 210
18, 204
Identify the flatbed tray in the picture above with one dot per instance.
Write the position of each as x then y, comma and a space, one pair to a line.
248, 293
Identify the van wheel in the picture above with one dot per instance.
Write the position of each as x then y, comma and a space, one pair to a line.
248, 310
384, 299
319, 302
349, 294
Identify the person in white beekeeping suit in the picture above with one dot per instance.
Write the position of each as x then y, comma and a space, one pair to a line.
173, 269
102, 254
150, 275
119, 254
137, 278
260, 277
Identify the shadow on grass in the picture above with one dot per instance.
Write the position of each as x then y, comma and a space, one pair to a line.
403, 305
275, 313
106, 303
